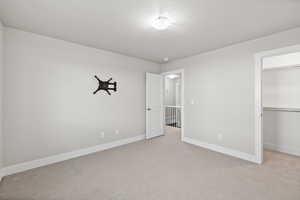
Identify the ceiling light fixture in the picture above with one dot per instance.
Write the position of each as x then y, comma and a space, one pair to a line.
172, 76
161, 23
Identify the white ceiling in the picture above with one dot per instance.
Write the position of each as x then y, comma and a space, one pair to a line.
124, 26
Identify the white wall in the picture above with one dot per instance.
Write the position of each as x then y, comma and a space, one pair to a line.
1, 97
281, 131
221, 83
48, 102
280, 61
281, 88
178, 91
170, 91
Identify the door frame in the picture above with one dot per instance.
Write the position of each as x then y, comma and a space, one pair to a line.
181, 72
258, 112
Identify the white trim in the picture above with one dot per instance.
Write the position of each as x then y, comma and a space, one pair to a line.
258, 112
283, 149
179, 71
66, 156
220, 149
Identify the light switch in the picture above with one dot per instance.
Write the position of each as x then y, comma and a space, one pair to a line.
192, 101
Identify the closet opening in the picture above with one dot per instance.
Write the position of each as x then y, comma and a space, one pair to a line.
280, 106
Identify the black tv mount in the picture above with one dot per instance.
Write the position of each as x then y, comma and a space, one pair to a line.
106, 85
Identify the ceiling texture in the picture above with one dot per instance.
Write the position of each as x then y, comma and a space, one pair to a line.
124, 26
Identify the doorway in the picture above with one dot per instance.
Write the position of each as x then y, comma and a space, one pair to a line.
173, 102
277, 102
164, 109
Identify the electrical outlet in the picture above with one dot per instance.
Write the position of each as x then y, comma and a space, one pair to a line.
102, 134
220, 136
117, 132
192, 101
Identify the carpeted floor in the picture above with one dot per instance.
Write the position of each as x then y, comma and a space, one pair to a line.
159, 169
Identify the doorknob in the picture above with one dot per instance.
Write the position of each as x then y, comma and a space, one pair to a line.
148, 109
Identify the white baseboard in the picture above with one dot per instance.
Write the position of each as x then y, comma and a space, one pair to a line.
66, 156
283, 149
220, 149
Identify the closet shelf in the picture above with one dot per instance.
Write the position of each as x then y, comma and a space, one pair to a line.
296, 66
282, 109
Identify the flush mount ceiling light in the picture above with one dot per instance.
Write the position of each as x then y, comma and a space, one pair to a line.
172, 76
161, 23
166, 59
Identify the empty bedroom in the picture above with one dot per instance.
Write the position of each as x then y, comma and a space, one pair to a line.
149, 100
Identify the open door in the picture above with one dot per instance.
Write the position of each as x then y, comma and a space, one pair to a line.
154, 105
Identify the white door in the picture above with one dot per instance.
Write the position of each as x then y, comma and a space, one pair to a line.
154, 105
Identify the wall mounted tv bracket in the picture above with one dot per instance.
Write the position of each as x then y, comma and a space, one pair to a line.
106, 85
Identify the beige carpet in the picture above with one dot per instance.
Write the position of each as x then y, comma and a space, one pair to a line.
159, 169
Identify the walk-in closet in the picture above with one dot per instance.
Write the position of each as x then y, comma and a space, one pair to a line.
281, 102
